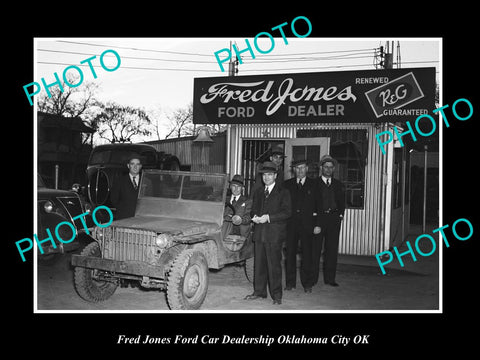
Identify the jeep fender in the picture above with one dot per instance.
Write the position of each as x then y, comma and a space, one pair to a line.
209, 248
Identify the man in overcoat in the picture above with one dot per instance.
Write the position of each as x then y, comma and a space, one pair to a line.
125, 190
330, 216
271, 209
301, 227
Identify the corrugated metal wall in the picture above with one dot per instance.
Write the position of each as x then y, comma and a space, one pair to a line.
364, 231
208, 157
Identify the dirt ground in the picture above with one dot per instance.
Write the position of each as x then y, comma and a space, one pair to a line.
362, 287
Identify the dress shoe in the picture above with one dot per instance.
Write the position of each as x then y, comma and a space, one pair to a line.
288, 288
277, 301
308, 289
253, 297
332, 283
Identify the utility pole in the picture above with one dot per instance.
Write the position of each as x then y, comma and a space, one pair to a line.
384, 58
388, 63
233, 64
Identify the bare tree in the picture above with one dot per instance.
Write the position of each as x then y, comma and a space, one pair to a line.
119, 124
181, 122
72, 102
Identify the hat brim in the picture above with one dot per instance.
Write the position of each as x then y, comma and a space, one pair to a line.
237, 182
332, 160
299, 163
266, 171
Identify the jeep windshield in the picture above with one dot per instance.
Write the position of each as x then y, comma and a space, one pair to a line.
183, 185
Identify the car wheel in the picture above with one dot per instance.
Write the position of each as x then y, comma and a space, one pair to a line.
249, 269
87, 286
188, 281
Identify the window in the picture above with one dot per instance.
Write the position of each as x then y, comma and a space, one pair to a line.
349, 147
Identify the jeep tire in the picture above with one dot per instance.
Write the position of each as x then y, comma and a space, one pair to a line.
86, 285
188, 281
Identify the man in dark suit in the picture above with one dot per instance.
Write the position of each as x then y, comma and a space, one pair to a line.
125, 190
330, 215
301, 227
270, 210
239, 221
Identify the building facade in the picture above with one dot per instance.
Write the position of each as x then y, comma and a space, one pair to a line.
336, 113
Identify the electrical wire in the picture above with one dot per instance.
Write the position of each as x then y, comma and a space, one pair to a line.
133, 48
262, 59
128, 67
130, 57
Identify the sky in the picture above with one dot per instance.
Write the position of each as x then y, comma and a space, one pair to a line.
157, 74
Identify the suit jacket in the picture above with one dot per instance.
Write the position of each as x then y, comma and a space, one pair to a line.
338, 191
278, 207
242, 207
304, 208
124, 197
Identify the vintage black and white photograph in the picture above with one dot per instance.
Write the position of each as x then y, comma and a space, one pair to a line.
280, 173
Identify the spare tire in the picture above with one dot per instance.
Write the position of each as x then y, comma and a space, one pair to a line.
98, 187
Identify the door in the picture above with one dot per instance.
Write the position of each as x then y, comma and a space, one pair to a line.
311, 149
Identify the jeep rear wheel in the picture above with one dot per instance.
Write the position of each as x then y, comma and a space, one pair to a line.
87, 286
188, 281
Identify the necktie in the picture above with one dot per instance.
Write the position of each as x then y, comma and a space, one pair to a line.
328, 182
135, 186
234, 200
266, 192
299, 184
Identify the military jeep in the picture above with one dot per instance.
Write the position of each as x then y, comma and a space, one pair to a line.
171, 243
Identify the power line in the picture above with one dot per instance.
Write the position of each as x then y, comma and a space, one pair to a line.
130, 57
323, 52
127, 67
133, 48
243, 70
339, 57
209, 55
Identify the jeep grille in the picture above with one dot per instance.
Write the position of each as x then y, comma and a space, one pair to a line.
124, 244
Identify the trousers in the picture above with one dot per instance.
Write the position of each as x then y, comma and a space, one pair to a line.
328, 241
268, 269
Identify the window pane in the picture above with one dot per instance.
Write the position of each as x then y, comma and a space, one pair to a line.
160, 185
205, 188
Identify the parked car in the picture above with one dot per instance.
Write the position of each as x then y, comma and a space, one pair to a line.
171, 243
56, 206
108, 162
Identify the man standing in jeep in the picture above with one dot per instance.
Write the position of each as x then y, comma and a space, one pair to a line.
125, 190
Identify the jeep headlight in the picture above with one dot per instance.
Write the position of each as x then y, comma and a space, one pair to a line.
163, 240
48, 206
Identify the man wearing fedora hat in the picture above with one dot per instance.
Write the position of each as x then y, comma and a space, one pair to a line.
270, 210
237, 222
330, 216
125, 189
301, 226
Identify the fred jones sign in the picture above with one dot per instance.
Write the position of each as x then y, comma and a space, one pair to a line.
348, 96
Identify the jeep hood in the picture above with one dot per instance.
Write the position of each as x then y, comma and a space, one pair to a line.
164, 224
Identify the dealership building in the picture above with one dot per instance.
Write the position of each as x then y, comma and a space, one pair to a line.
336, 113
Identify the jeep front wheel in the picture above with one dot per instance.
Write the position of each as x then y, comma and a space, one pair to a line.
188, 281
88, 287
